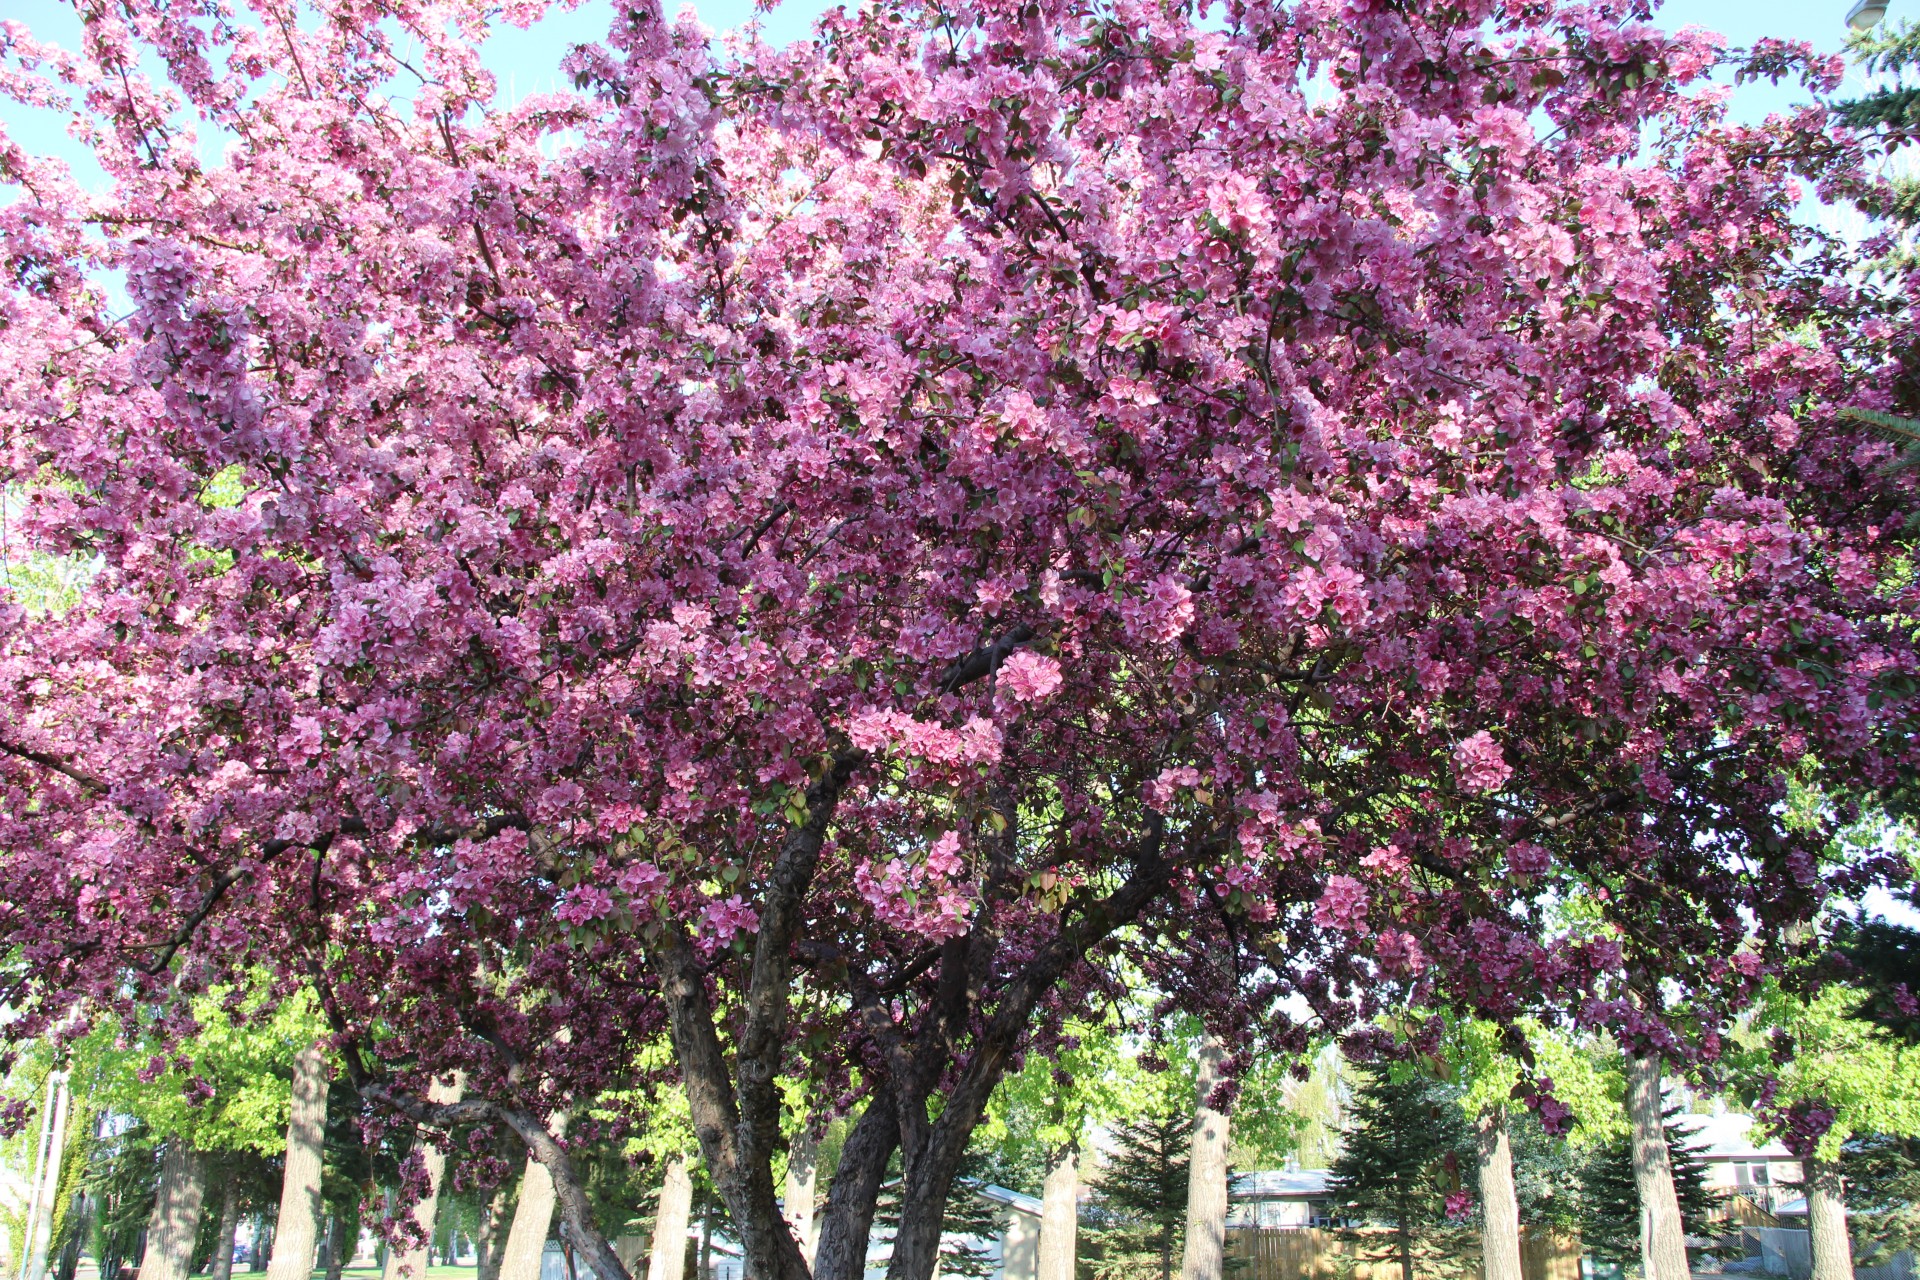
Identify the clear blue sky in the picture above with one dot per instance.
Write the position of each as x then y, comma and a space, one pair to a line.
528, 61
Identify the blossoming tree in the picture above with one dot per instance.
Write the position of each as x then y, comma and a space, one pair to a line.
837, 555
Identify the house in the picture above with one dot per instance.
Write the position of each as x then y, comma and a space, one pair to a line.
1737, 1164
1279, 1198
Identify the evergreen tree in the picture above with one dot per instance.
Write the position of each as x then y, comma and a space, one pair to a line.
1546, 1174
1886, 963
1893, 111
1883, 1184
1144, 1188
1403, 1157
1609, 1217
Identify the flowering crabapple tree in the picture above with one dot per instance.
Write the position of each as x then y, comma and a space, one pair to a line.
835, 557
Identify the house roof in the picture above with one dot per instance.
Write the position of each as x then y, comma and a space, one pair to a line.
1012, 1199
1279, 1184
1727, 1137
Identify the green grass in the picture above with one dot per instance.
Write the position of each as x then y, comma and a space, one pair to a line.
89, 1271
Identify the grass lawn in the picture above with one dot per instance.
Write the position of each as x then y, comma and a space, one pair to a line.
88, 1271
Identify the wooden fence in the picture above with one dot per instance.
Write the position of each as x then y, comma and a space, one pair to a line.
1311, 1254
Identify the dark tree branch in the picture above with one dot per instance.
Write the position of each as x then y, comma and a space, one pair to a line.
983, 662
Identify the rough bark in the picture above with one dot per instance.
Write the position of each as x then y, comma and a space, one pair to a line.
854, 1193
797, 1204
736, 1112
532, 1220
293, 1235
175, 1220
667, 1260
735, 1106
1663, 1241
492, 1236
1060, 1214
1205, 1257
413, 1263
1499, 1205
931, 1150
1827, 1221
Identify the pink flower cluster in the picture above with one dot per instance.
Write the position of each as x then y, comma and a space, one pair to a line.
975, 742
1028, 677
1343, 906
1479, 763
924, 899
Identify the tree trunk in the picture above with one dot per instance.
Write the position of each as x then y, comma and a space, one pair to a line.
175, 1221
1060, 1214
337, 1247
82, 1211
221, 1268
59, 1098
293, 1236
926, 1183
1827, 1222
668, 1258
1499, 1205
257, 1244
532, 1220
492, 1237
413, 1263
797, 1207
1404, 1234
845, 1228
1663, 1240
1207, 1176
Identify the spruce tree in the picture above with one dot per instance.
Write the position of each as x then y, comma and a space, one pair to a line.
1610, 1202
1883, 1185
1892, 111
1886, 967
1402, 1158
1145, 1184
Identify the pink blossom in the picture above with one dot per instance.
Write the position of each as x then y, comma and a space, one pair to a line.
1343, 905
1527, 859
642, 880
584, 904
1479, 763
1028, 677
727, 918
1160, 792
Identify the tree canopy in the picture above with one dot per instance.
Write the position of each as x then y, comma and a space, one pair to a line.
847, 556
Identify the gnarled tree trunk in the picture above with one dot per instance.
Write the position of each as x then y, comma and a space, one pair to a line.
294, 1235
668, 1258
1060, 1214
1206, 1252
855, 1191
1499, 1205
175, 1220
1663, 1239
1827, 1221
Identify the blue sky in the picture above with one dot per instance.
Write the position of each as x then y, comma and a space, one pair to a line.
527, 62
